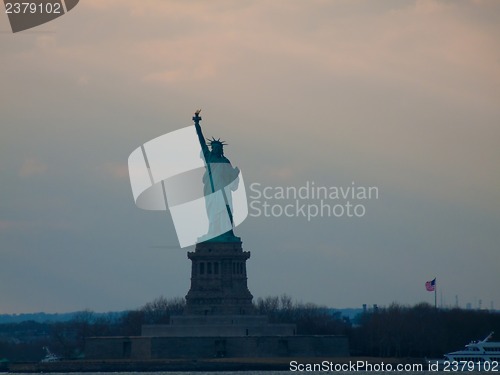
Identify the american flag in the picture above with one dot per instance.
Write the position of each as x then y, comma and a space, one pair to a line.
430, 286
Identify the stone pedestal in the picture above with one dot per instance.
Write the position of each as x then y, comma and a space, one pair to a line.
219, 280
219, 302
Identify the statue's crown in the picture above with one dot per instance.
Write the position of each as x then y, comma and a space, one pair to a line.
216, 142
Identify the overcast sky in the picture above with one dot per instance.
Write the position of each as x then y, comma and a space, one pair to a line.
402, 95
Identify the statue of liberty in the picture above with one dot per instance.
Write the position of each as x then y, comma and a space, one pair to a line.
219, 180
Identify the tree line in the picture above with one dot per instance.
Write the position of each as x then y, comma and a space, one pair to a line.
420, 331
396, 331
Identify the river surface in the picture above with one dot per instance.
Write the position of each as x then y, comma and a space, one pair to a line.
424, 372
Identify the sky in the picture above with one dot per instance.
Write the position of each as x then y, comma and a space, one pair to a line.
400, 95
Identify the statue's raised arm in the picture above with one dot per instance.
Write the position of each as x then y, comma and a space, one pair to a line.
219, 176
203, 144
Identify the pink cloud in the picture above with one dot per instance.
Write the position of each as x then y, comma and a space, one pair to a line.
32, 167
115, 170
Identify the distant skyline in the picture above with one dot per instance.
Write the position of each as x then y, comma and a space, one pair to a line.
400, 95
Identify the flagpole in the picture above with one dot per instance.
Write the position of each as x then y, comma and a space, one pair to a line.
435, 292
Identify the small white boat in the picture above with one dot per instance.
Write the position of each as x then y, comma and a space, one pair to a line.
50, 357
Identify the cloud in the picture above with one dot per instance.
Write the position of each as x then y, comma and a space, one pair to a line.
6, 225
32, 167
24, 226
114, 170
402, 95
83, 80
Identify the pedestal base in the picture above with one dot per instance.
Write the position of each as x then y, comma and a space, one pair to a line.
218, 325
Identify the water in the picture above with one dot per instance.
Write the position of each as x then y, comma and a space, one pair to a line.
259, 373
